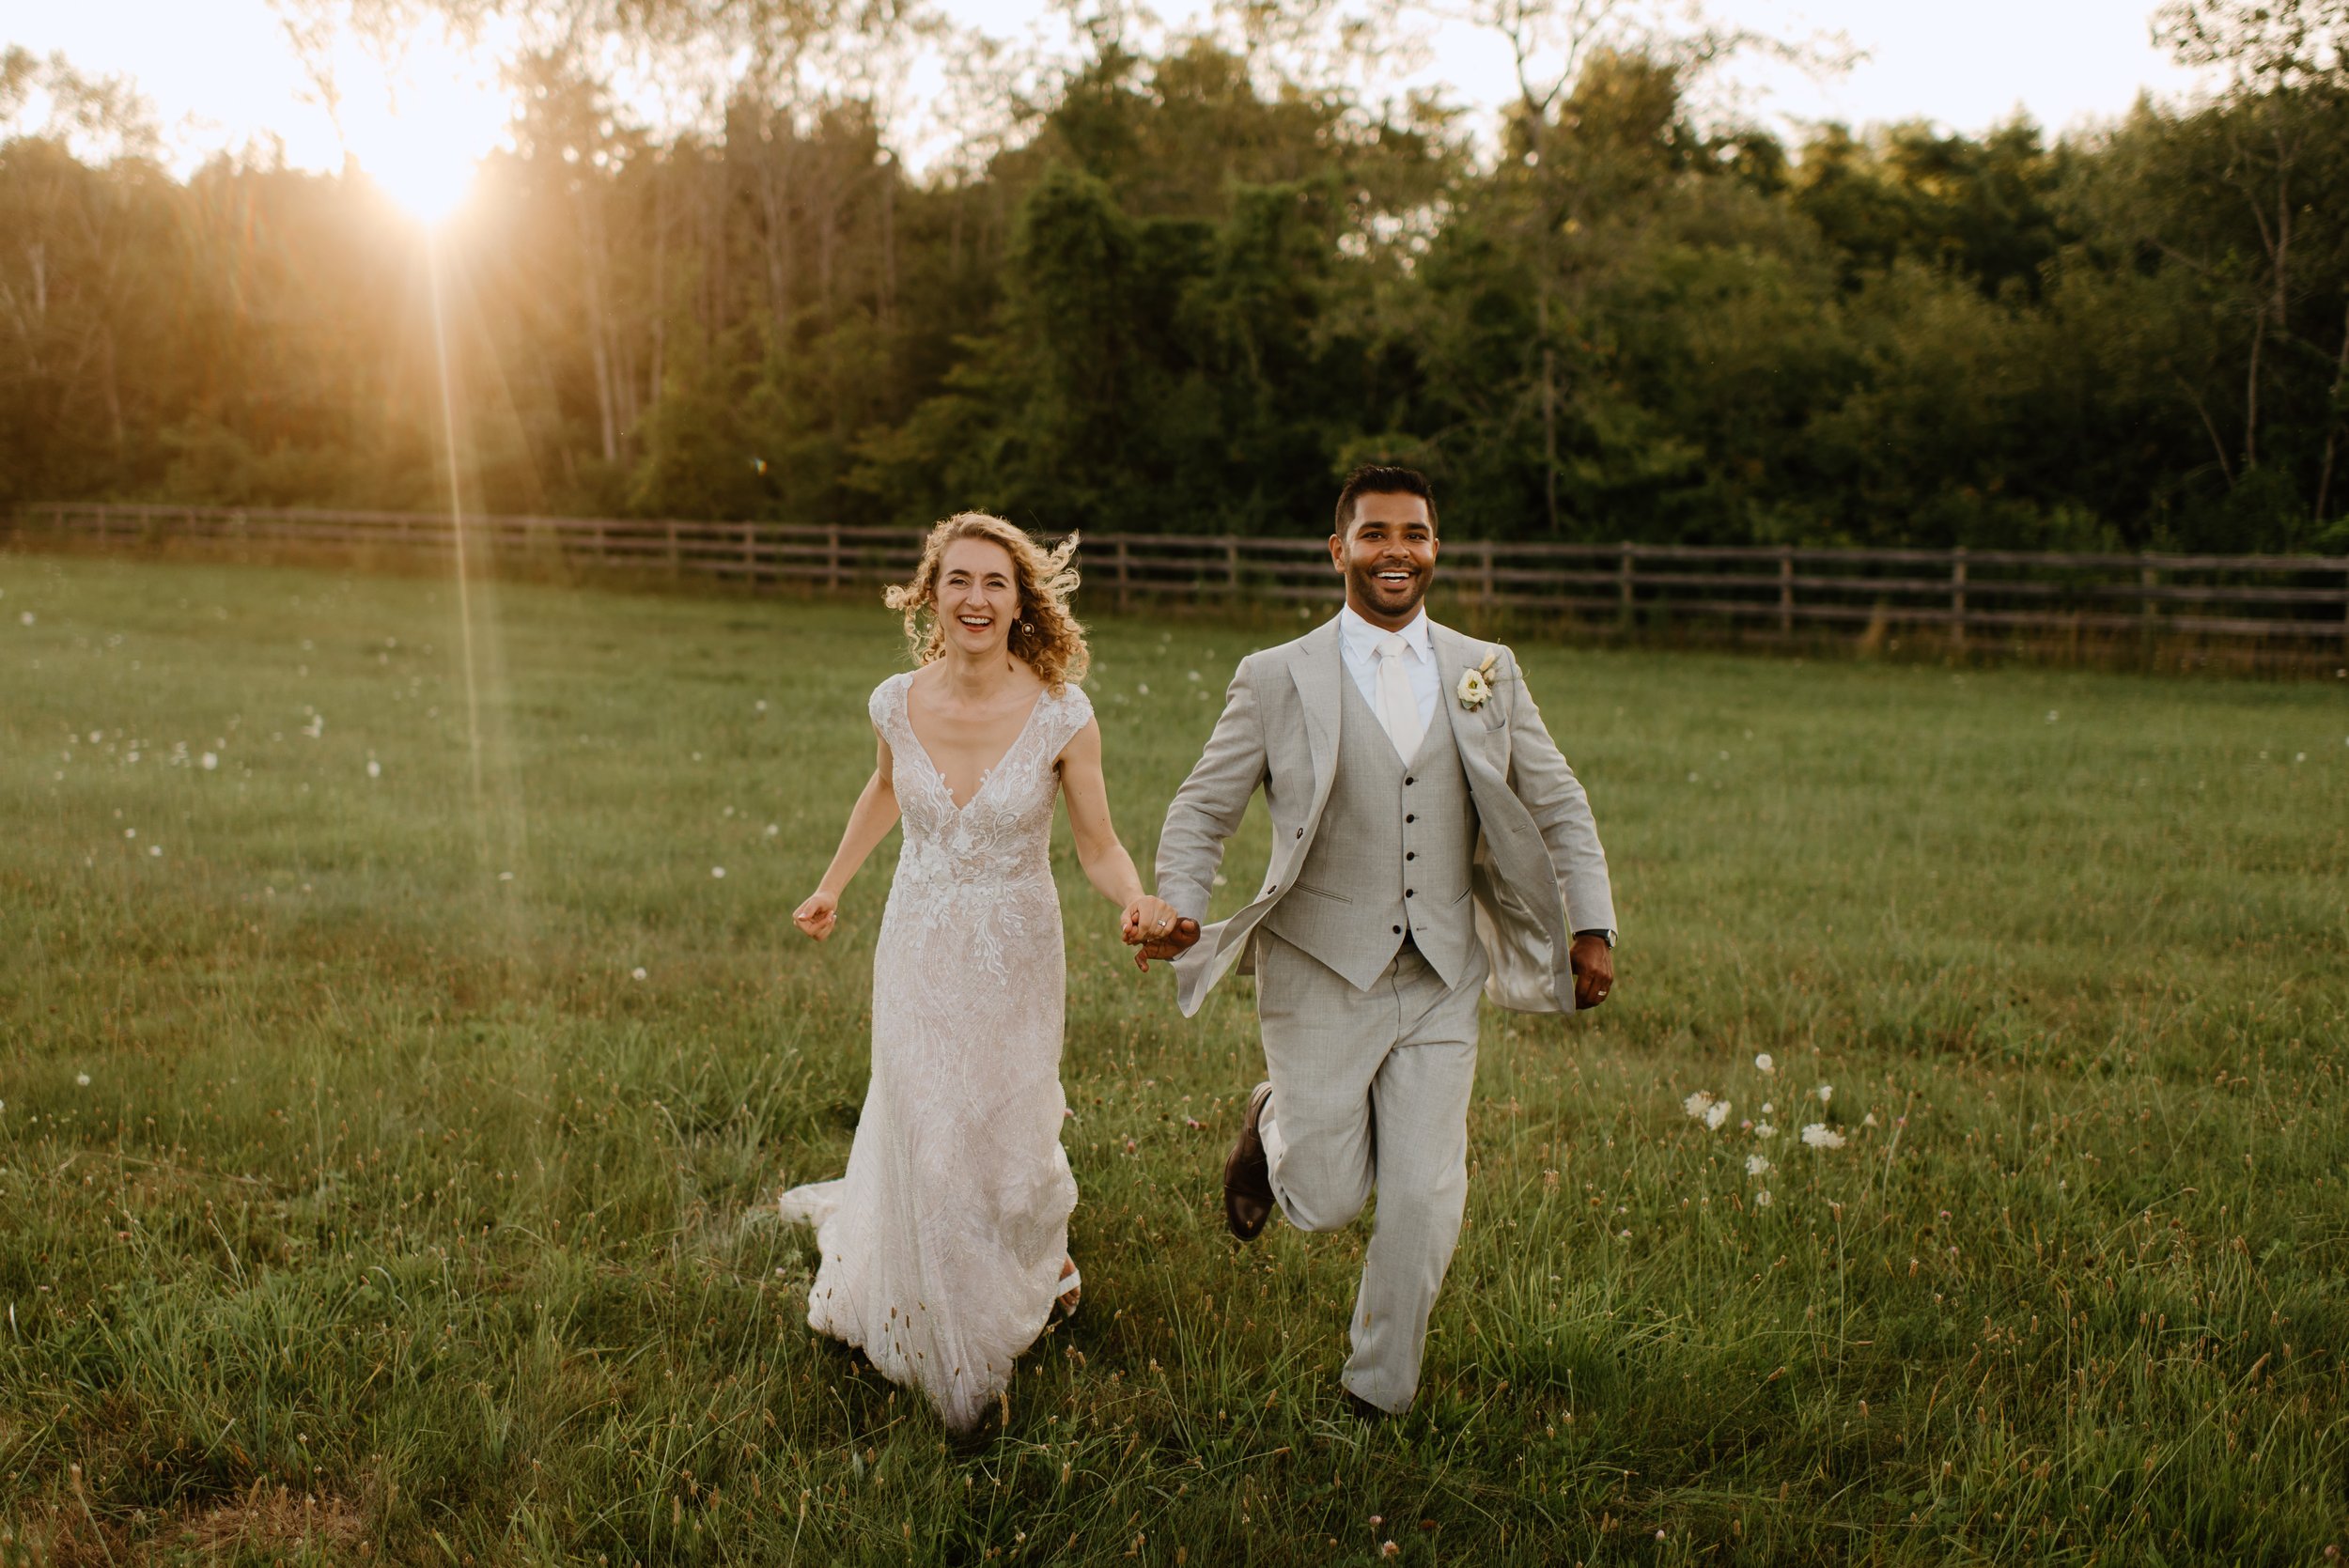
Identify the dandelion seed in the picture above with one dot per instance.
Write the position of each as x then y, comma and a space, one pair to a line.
1696, 1105
1757, 1165
1715, 1117
1820, 1135
1763, 1063
211, 761
1825, 1093
1762, 1199
82, 1078
637, 973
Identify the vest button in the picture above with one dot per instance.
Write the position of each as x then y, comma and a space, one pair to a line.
1409, 783
1398, 930
1409, 818
1411, 854
1406, 893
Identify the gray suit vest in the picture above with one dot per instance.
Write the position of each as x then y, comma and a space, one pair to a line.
1392, 854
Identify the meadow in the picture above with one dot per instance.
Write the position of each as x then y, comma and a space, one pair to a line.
399, 1069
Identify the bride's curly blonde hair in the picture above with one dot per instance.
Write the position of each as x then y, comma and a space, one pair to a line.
1046, 636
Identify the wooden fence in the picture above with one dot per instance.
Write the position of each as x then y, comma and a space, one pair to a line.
2292, 603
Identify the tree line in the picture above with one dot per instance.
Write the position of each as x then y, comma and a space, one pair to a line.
1181, 298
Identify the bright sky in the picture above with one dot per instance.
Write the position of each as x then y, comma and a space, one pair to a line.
221, 73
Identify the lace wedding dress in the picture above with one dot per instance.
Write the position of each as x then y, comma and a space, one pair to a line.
942, 1244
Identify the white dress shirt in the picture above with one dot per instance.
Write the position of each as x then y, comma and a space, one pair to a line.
1359, 641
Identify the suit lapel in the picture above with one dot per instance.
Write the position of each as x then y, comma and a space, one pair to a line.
1454, 655
1317, 669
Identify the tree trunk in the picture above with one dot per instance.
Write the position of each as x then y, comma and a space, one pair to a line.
2332, 424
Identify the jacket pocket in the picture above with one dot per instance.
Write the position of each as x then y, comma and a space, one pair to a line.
1319, 892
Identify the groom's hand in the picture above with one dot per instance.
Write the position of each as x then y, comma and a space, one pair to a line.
1594, 971
1153, 928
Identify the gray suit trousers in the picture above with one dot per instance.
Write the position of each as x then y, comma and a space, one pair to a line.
1371, 1089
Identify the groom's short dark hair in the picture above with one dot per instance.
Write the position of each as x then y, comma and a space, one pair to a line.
1382, 479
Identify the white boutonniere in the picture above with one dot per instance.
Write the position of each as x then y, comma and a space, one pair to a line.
1476, 685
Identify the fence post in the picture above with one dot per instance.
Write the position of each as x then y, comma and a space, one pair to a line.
676, 570
1122, 577
1623, 582
1231, 566
750, 555
1787, 589
1957, 596
1486, 588
2146, 608
832, 558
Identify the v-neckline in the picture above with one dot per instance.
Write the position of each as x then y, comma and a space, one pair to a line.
987, 774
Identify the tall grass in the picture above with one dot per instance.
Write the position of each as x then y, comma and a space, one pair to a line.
362, 1203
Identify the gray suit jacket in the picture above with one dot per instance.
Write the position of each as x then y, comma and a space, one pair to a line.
1540, 874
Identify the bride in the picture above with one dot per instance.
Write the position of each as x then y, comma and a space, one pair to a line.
946, 1244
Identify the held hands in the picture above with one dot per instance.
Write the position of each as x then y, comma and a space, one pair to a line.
1594, 971
818, 915
1151, 926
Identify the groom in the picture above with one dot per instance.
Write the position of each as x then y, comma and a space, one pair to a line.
1429, 843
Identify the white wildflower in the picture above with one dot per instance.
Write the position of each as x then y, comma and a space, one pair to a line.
772, 829
1820, 1135
1767, 1108
1697, 1104
2051, 716
719, 872
1869, 1120
760, 705
1763, 1130
25, 618
1763, 1063
82, 1078
637, 973
1192, 674
1142, 687
1825, 1093
130, 832
1757, 1164
1762, 1199
211, 761
156, 850
375, 769
1715, 1117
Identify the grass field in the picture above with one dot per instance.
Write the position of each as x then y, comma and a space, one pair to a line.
389, 1137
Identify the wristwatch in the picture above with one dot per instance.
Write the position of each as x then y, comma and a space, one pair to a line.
1602, 934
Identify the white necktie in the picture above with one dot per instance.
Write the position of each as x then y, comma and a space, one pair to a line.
1398, 707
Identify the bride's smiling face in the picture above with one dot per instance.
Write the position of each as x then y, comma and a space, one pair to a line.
978, 596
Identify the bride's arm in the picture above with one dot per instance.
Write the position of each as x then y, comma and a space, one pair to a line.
869, 821
1107, 865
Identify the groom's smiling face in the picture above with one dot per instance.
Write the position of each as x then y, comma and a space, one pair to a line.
1387, 555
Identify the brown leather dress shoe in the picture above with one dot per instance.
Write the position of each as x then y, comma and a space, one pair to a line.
1247, 1176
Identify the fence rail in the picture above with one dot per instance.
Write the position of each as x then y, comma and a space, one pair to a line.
2293, 601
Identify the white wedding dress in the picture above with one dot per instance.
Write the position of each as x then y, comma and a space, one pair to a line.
943, 1246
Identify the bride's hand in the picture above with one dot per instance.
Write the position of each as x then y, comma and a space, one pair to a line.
1152, 926
818, 915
